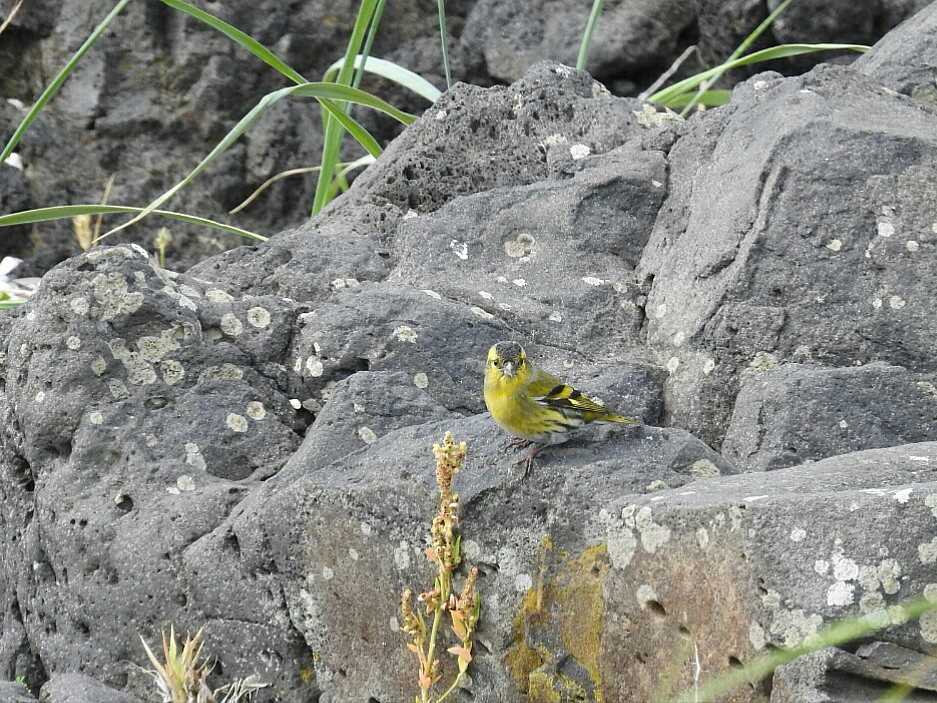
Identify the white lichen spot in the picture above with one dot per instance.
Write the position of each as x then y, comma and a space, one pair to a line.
579, 151
73, 343
844, 569
622, 544
834, 244
798, 534
555, 317
520, 246
840, 594
486, 295
709, 366
40, 396
679, 338
896, 302
357, 407
704, 468
432, 294
173, 371
645, 594
193, 456
185, 483
756, 635
236, 422
471, 549
928, 623
327, 573
258, 317
256, 410
314, 367
871, 602
114, 295
402, 556
653, 535
217, 295
702, 537
231, 325
930, 501
903, 495
366, 529
366, 434
885, 229
440, 115
479, 312
912, 246
592, 281
295, 403
930, 592
656, 184
460, 249
523, 583
928, 551
843, 424
80, 306
118, 389
821, 566
405, 333
95, 418
353, 554
876, 303
420, 380
673, 363
660, 311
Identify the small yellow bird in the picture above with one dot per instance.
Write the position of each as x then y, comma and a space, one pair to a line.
535, 406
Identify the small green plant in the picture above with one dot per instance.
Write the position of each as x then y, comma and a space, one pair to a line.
445, 554
837, 633
162, 242
181, 676
21, 680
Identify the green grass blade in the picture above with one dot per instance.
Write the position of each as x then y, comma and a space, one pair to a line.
244, 40
587, 34
63, 212
838, 633
444, 39
59, 79
332, 141
740, 49
782, 51
361, 135
368, 42
396, 73
328, 91
710, 98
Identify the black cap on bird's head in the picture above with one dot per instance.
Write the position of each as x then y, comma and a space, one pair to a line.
508, 357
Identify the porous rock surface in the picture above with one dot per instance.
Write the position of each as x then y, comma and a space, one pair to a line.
245, 446
159, 89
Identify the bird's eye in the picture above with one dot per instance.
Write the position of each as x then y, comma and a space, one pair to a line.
496, 363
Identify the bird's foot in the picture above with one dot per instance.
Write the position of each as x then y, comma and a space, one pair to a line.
516, 443
527, 461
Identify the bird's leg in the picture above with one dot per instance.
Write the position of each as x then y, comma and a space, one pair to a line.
528, 459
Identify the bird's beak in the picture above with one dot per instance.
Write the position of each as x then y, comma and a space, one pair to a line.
508, 369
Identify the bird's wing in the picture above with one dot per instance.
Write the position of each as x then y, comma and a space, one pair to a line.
550, 391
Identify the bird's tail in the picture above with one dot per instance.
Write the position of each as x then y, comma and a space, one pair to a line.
620, 419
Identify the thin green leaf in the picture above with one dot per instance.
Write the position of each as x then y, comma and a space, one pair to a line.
361, 135
710, 98
59, 79
332, 140
838, 633
775, 52
10, 304
244, 40
587, 34
63, 212
392, 72
740, 49
444, 40
368, 42
328, 91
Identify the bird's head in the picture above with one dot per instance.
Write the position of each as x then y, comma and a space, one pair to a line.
507, 360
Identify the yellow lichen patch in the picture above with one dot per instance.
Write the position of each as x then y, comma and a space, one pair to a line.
522, 659
561, 617
581, 609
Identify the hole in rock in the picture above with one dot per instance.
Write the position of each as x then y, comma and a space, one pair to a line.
656, 608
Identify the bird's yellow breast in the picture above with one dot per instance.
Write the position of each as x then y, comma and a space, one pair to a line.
511, 407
